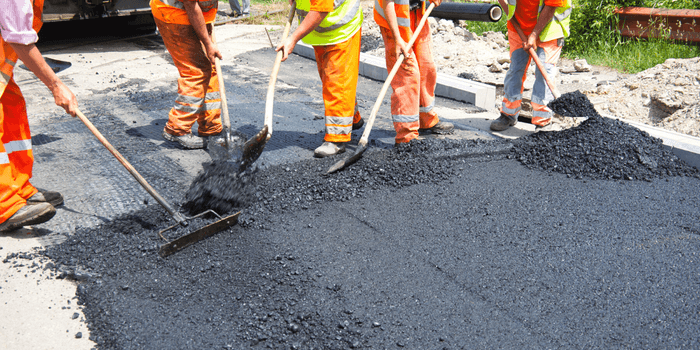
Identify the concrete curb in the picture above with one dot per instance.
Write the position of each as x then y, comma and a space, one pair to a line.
373, 67
685, 147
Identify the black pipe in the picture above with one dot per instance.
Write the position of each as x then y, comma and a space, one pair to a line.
468, 11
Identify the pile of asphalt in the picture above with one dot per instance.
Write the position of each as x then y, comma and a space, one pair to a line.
219, 186
575, 105
258, 284
599, 148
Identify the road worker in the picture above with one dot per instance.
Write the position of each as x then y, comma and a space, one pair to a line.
545, 23
413, 96
333, 28
21, 203
186, 28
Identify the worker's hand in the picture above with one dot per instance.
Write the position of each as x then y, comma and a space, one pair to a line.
531, 42
213, 52
65, 98
286, 46
436, 2
402, 48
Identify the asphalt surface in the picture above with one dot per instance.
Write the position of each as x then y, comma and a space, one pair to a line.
446, 244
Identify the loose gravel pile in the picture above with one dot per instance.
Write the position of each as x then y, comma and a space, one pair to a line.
601, 148
221, 187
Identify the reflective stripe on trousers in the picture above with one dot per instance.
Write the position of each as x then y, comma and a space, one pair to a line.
338, 66
549, 53
16, 157
413, 95
198, 86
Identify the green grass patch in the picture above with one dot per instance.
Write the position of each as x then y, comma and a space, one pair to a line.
633, 55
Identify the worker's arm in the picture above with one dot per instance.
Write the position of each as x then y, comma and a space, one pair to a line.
544, 18
196, 17
310, 22
399, 43
30, 55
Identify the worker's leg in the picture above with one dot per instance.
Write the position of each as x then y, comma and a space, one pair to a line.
195, 72
16, 157
515, 77
338, 67
405, 98
428, 73
209, 118
549, 53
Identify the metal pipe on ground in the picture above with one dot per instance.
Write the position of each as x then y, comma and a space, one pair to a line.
468, 11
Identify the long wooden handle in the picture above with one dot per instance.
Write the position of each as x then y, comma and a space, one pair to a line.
533, 54
225, 120
176, 215
390, 77
269, 101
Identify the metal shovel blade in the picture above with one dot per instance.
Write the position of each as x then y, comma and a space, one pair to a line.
348, 160
198, 235
253, 148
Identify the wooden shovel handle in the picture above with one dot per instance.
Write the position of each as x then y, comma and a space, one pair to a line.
269, 101
533, 54
225, 119
176, 215
390, 77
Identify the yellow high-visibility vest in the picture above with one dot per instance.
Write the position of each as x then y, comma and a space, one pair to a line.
558, 27
338, 26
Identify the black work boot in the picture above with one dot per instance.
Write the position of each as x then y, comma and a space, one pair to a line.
502, 123
44, 196
30, 214
358, 125
188, 141
441, 128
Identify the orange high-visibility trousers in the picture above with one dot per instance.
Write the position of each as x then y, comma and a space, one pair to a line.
198, 86
413, 96
16, 157
338, 67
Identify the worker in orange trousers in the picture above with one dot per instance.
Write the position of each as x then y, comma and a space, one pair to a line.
335, 34
186, 28
21, 204
413, 96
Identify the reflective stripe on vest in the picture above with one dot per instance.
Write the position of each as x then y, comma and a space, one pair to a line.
206, 6
558, 27
338, 26
401, 21
14, 146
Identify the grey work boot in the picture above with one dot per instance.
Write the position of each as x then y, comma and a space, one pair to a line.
43, 196
441, 128
30, 214
502, 123
188, 141
329, 149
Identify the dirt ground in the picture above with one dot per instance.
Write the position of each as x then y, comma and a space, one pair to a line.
664, 96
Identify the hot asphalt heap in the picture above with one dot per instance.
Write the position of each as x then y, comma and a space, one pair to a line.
438, 244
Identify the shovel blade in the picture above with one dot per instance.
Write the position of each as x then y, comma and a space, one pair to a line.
196, 236
348, 160
253, 148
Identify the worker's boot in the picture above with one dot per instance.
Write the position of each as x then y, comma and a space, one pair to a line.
502, 123
358, 125
30, 214
329, 149
43, 196
541, 122
188, 140
441, 128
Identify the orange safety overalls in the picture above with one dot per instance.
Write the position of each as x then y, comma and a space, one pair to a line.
413, 96
198, 87
16, 157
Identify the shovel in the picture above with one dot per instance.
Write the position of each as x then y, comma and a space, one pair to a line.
362, 145
255, 145
171, 246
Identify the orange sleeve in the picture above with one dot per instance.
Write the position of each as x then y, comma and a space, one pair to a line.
554, 3
322, 5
